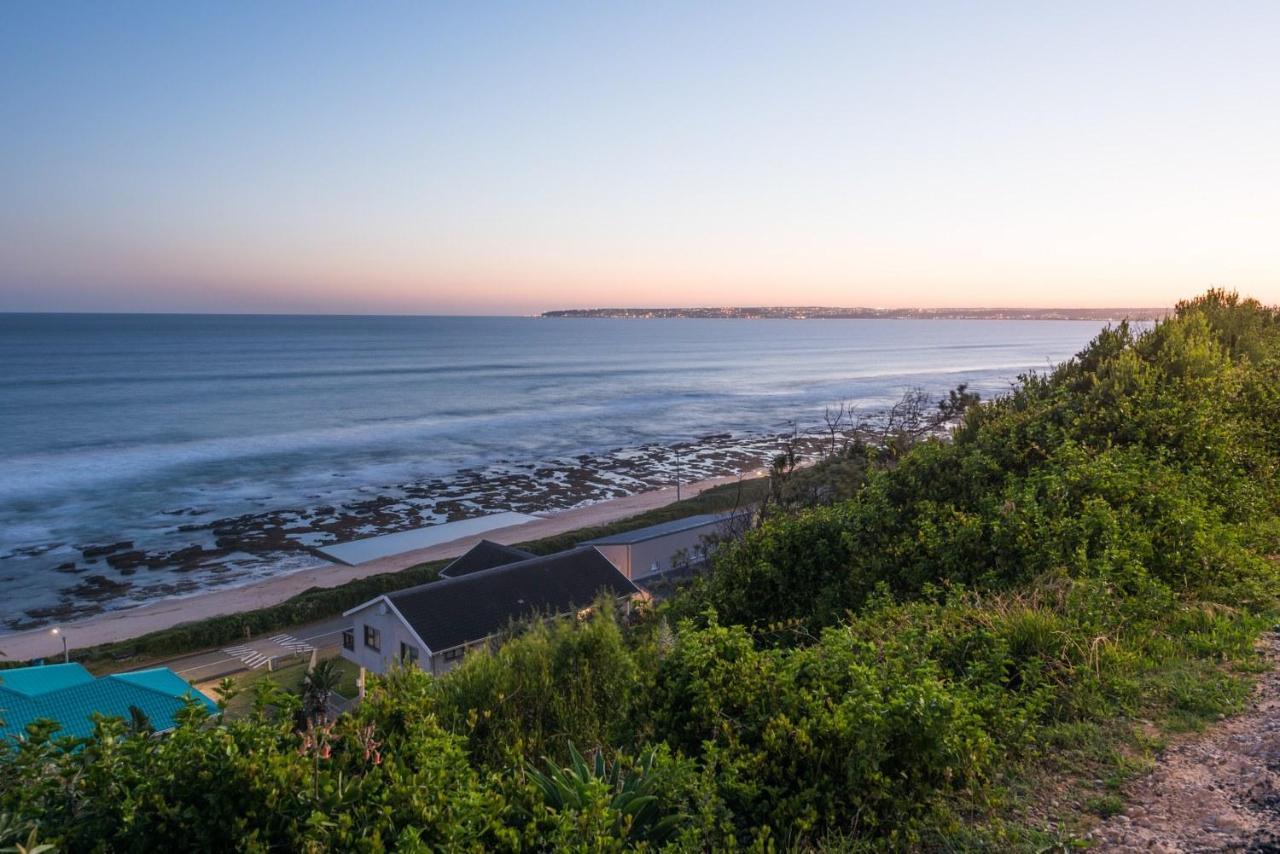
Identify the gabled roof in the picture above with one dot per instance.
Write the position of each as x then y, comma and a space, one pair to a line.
456, 611
70, 695
485, 554
663, 529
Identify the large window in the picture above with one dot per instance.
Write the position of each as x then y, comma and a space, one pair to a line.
372, 638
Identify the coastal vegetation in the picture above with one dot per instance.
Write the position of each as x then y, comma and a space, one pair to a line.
955, 643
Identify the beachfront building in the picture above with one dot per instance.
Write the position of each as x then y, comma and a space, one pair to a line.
434, 625
682, 543
485, 554
69, 695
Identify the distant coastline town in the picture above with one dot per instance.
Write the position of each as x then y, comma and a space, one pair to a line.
829, 313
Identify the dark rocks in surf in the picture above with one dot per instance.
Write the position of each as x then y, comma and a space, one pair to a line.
222, 550
95, 552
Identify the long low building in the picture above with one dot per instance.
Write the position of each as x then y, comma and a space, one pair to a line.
432, 626
661, 548
69, 695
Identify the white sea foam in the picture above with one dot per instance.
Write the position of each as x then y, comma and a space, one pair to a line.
126, 428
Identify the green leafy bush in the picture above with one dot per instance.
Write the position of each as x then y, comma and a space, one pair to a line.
1086, 564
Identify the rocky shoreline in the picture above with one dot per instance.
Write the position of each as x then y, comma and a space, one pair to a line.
240, 549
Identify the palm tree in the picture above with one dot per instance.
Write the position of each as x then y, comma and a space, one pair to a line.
139, 723
317, 686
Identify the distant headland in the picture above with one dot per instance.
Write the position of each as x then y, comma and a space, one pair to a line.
828, 313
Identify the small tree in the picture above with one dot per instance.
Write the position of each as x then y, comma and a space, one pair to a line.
317, 687
139, 723
953, 407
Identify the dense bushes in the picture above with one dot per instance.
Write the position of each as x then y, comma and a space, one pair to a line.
1148, 456
1096, 547
840, 732
561, 683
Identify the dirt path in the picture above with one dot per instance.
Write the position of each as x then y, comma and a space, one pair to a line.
1219, 791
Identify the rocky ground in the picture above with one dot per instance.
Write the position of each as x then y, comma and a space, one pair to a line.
1218, 791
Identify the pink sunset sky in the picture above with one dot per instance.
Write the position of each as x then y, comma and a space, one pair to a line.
407, 158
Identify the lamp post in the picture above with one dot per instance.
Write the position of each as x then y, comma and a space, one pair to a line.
66, 654
676, 448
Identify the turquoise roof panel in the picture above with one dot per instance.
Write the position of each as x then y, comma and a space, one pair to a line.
159, 693
34, 681
160, 679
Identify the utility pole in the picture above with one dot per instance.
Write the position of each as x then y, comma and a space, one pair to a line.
676, 448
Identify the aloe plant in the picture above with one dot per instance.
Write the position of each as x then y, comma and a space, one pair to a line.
22, 837
632, 799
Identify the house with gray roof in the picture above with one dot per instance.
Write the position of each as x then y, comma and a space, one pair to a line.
433, 625
485, 554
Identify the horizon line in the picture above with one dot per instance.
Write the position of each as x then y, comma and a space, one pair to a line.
543, 313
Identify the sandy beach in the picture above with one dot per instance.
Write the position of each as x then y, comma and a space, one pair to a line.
134, 622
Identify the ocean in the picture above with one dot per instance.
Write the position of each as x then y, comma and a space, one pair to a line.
148, 456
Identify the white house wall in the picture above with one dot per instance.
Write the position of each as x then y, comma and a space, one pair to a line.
393, 633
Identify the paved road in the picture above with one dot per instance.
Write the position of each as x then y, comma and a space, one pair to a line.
255, 653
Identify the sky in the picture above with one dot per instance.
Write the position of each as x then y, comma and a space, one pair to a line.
490, 158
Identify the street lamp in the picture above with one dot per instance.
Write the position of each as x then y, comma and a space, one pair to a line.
676, 448
66, 654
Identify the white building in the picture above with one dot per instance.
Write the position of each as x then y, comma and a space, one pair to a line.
433, 625
661, 548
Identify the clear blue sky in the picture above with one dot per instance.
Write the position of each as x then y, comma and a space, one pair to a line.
487, 158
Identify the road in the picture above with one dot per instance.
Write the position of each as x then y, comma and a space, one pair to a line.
259, 652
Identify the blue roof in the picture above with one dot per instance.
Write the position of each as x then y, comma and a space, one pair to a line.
34, 681
639, 535
69, 695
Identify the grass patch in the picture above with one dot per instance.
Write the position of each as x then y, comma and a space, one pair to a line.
1105, 806
288, 678
1077, 772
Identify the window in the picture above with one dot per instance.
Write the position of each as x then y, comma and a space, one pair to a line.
349, 639
408, 654
372, 638
455, 653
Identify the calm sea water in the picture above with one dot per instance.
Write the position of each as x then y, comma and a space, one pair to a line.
121, 427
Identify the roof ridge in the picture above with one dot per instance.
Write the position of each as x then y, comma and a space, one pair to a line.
660, 529
445, 580
191, 689
483, 540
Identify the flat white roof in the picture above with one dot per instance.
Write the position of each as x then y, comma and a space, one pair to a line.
662, 529
372, 548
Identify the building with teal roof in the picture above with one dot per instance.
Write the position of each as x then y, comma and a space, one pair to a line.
69, 695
